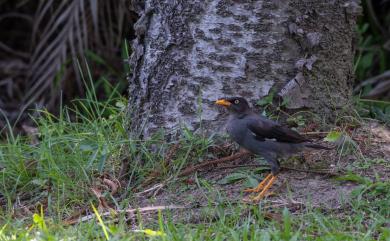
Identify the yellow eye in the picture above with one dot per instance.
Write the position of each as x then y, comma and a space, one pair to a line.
236, 102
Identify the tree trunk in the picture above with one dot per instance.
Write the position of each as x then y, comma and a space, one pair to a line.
188, 53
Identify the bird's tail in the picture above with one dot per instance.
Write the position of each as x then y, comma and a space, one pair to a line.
318, 146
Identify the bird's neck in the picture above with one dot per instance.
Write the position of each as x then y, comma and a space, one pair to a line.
241, 115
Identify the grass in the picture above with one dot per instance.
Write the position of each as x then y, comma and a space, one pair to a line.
48, 177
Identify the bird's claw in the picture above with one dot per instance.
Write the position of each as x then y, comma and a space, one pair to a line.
261, 185
263, 188
255, 199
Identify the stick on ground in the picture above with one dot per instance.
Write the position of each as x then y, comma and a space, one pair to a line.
192, 169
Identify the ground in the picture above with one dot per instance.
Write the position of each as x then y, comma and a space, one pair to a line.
294, 189
65, 180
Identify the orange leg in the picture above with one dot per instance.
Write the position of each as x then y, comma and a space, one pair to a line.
261, 185
265, 189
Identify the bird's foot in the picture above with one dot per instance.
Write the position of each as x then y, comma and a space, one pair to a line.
264, 190
261, 185
254, 199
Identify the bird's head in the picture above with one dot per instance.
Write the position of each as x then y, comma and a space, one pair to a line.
235, 105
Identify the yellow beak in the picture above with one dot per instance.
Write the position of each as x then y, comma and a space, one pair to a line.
223, 102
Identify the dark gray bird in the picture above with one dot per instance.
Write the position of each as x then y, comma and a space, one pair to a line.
263, 137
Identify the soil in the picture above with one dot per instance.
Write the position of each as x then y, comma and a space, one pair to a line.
292, 189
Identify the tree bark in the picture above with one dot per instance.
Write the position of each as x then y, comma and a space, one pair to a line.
188, 53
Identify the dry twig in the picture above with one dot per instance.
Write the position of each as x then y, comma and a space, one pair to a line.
192, 169
127, 211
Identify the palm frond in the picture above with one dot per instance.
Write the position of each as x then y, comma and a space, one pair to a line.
61, 32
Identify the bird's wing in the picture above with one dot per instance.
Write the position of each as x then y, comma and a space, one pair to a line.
264, 128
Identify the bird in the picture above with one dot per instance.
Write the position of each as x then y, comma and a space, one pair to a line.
264, 137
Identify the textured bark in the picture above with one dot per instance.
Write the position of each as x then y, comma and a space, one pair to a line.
188, 53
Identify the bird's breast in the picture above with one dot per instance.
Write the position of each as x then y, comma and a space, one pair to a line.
237, 130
